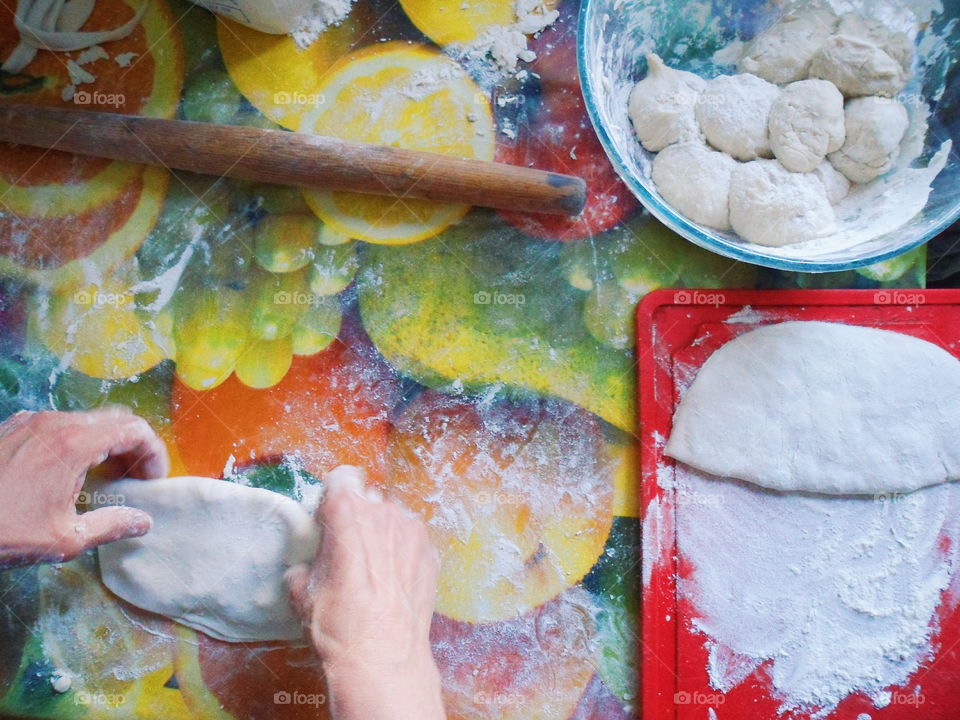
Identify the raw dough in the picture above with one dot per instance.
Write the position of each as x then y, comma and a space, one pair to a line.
661, 105
215, 557
835, 183
875, 127
825, 408
769, 205
74, 15
40, 22
733, 112
696, 181
897, 45
782, 53
806, 123
858, 67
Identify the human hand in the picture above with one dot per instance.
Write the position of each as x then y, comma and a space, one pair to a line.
368, 601
44, 458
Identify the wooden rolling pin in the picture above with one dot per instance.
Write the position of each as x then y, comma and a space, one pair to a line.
287, 158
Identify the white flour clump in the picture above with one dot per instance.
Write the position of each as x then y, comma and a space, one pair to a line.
506, 45
839, 595
783, 52
875, 127
806, 123
769, 205
734, 111
696, 180
322, 15
662, 105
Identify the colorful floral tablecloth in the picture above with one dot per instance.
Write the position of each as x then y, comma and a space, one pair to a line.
477, 363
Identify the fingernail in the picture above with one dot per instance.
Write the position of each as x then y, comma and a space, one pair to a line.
347, 477
141, 525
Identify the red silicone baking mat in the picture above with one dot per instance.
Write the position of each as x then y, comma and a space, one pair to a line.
677, 330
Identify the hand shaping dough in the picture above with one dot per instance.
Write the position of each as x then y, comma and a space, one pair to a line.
782, 53
875, 127
733, 112
769, 205
696, 181
806, 123
825, 408
835, 183
661, 105
215, 558
858, 67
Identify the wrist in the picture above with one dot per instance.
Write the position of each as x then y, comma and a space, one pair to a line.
371, 688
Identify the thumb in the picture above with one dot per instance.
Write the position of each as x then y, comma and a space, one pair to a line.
110, 524
298, 581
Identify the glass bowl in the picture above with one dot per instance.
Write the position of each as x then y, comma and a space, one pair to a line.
703, 37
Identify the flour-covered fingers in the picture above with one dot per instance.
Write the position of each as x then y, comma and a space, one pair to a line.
299, 581
110, 524
113, 434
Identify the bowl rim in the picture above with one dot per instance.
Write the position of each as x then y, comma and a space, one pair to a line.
688, 230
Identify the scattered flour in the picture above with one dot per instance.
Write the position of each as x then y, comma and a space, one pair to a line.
747, 316
60, 682
78, 74
841, 594
506, 45
125, 59
322, 15
657, 536
92, 54
532, 661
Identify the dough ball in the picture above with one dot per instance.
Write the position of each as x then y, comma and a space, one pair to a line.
835, 183
661, 105
806, 123
769, 205
858, 67
875, 127
734, 111
897, 45
696, 181
782, 53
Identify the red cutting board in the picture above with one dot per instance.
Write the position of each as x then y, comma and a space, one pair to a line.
677, 330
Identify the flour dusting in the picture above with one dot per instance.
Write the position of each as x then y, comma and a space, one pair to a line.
315, 21
506, 45
839, 595
657, 535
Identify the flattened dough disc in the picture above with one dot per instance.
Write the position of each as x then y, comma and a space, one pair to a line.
215, 558
824, 408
